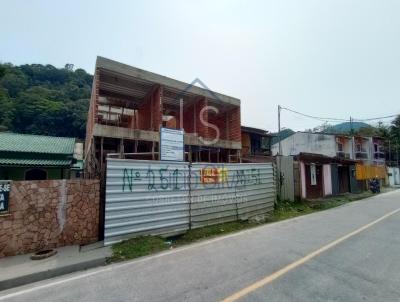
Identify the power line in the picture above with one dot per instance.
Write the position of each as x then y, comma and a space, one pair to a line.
324, 119
333, 119
377, 118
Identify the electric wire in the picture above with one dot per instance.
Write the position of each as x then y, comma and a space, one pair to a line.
334, 119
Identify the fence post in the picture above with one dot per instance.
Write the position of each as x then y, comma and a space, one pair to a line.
277, 184
190, 195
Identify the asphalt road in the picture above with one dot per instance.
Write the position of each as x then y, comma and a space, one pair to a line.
350, 253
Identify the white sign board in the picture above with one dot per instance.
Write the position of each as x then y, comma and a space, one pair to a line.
5, 188
171, 144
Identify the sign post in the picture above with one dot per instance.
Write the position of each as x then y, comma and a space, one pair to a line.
5, 188
172, 146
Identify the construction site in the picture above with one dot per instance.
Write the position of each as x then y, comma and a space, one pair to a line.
129, 106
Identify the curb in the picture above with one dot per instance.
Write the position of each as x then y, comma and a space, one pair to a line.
39, 276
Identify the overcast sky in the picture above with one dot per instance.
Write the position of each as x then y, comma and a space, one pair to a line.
335, 58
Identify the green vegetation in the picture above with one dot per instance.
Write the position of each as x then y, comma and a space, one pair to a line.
43, 99
287, 209
137, 247
146, 245
212, 231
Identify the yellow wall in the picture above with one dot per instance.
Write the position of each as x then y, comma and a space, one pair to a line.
365, 172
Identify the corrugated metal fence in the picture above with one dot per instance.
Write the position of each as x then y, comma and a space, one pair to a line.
159, 198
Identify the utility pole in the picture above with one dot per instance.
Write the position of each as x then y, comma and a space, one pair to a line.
279, 130
390, 153
279, 153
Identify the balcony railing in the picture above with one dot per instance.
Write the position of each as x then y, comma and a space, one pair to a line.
361, 155
343, 155
379, 155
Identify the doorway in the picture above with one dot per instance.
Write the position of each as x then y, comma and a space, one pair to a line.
344, 179
314, 181
35, 174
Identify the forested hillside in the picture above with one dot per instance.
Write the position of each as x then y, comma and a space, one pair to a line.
42, 99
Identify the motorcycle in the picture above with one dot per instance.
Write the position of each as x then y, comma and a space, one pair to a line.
375, 186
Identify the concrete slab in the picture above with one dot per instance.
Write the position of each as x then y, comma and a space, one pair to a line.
20, 270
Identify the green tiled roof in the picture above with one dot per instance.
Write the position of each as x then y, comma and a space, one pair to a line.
35, 150
13, 142
35, 162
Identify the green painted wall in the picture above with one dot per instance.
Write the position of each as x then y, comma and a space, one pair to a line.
18, 173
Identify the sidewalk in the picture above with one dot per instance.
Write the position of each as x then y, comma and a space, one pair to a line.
20, 270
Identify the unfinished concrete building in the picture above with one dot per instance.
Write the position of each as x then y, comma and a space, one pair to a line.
128, 106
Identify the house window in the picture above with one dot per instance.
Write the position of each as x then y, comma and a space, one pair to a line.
35, 174
313, 172
266, 143
340, 147
376, 148
358, 148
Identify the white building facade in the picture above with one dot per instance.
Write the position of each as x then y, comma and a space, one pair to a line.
369, 150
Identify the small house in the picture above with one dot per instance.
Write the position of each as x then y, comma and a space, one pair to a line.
330, 164
35, 157
256, 145
325, 176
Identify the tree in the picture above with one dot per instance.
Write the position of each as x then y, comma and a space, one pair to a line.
69, 67
7, 110
14, 81
43, 99
36, 112
395, 128
395, 139
370, 131
2, 71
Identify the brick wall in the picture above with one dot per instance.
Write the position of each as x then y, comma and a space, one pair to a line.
219, 120
201, 129
150, 112
49, 214
188, 119
228, 122
234, 125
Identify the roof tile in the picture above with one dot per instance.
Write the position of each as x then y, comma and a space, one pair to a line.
13, 142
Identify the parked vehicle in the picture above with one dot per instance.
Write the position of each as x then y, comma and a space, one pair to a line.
375, 186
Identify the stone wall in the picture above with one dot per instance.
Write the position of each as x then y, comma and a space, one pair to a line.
49, 214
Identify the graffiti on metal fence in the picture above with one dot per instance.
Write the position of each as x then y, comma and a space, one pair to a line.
213, 175
175, 179
155, 179
222, 177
